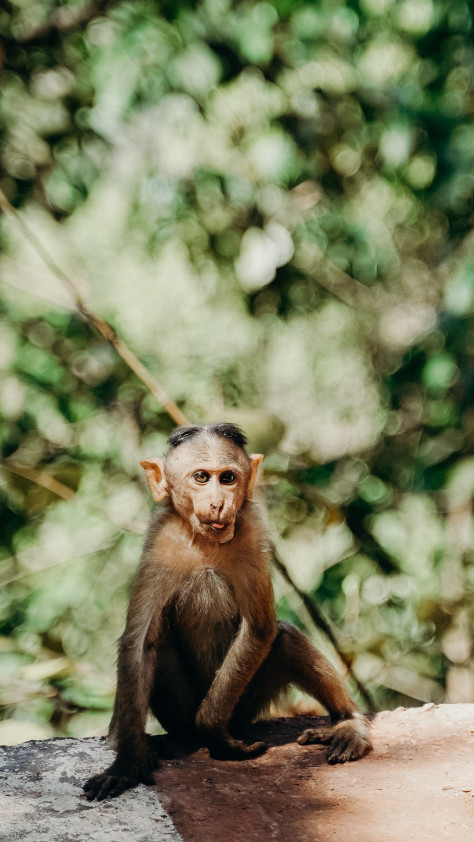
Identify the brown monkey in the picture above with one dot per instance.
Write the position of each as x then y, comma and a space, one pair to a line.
202, 647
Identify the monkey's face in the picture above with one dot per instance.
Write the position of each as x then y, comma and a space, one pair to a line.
207, 480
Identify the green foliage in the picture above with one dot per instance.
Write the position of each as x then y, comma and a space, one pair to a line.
272, 203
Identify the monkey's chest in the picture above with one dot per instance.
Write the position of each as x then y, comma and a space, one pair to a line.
206, 618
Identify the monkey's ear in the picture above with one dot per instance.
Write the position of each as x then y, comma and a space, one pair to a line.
255, 459
155, 477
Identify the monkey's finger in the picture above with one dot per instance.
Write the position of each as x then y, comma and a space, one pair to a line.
92, 786
107, 786
256, 749
314, 735
106, 790
115, 787
236, 750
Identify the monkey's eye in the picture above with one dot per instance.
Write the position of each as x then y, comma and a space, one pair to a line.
201, 477
227, 478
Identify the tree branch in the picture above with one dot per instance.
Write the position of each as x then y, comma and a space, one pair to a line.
40, 478
102, 326
321, 622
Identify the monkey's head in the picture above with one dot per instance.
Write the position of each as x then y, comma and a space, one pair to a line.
207, 475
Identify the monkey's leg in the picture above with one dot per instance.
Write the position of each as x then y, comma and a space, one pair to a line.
349, 737
175, 699
294, 660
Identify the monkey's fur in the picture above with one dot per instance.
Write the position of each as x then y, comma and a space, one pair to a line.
202, 647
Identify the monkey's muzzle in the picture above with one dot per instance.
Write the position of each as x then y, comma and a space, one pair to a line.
223, 531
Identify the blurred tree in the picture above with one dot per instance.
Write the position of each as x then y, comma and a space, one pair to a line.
282, 182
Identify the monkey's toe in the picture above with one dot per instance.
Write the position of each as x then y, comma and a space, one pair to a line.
348, 740
348, 744
341, 751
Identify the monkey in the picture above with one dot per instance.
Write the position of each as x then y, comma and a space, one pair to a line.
202, 647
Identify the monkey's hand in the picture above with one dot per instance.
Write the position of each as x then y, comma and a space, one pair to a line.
348, 739
121, 775
224, 747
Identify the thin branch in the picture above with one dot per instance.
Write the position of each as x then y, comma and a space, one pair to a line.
346, 289
321, 622
40, 478
53, 485
102, 326
106, 545
23, 286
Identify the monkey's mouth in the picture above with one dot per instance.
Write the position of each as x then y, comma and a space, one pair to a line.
214, 530
215, 527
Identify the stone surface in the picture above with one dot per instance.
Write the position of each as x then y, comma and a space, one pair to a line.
416, 786
41, 801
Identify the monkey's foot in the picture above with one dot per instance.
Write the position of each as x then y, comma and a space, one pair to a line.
348, 739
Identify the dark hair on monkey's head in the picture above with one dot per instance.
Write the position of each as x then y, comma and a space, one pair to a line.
224, 430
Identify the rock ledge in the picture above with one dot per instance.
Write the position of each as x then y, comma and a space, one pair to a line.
417, 784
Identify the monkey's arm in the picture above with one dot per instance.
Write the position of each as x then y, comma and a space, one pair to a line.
134, 761
246, 654
136, 666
